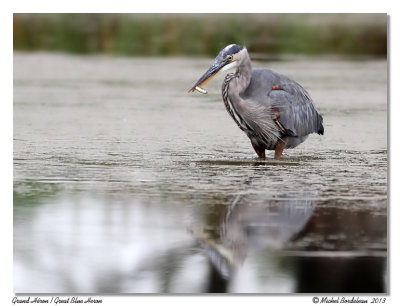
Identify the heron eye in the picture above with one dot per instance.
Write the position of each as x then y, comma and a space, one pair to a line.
230, 57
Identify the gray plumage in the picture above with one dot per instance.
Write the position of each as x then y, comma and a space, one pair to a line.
274, 111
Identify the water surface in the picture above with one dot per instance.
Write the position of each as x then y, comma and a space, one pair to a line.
125, 183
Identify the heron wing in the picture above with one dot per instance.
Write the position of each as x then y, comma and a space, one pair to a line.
296, 111
288, 104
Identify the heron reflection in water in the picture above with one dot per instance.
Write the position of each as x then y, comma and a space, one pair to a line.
274, 111
253, 223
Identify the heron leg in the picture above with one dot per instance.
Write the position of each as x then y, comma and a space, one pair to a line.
280, 145
259, 150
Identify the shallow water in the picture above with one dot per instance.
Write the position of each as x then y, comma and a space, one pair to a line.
124, 182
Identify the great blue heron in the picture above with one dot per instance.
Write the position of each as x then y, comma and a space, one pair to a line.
274, 111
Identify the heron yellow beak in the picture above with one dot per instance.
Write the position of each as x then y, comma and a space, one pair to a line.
206, 77
216, 68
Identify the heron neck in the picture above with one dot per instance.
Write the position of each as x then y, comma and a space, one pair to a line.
244, 74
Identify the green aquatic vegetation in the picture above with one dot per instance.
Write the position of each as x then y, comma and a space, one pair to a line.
201, 34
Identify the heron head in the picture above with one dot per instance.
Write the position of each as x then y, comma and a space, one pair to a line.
227, 58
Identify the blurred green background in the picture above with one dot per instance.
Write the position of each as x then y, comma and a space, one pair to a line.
202, 34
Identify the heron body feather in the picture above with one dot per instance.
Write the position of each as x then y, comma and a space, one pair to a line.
253, 96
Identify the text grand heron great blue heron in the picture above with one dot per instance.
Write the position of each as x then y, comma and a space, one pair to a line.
274, 111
